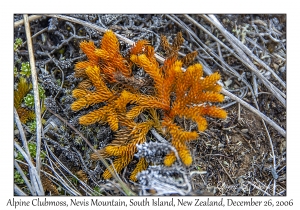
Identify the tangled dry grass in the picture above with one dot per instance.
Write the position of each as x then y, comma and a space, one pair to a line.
242, 155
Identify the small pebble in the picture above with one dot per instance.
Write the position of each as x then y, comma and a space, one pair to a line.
16, 132
220, 145
244, 130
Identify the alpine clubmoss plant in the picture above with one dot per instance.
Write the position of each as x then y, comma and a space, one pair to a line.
24, 100
22, 90
108, 78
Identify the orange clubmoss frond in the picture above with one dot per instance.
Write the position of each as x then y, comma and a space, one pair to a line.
135, 111
201, 121
110, 42
140, 166
192, 113
195, 70
163, 86
214, 88
118, 164
82, 65
177, 66
110, 52
89, 49
210, 80
129, 124
164, 95
177, 42
167, 68
79, 104
156, 120
87, 100
184, 154
112, 119
94, 75
187, 59
103, 54
124, 99
85, 84
169, 78
170, 159
125, 152
79, 93
182, 81
119, 63
109, 74
102, 115
139, 47
149, 67
138, 134
95, 156
207, 96
172, 50
119, 150
202, 89
98, 115
165, 44
212, 111
80, 72
179, 137
122, 65
123, 135
150, 53
152, 102
181, 92
187, 83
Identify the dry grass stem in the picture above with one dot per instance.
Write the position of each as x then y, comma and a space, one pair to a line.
37, 105
31, 18
34, 176
236, 44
